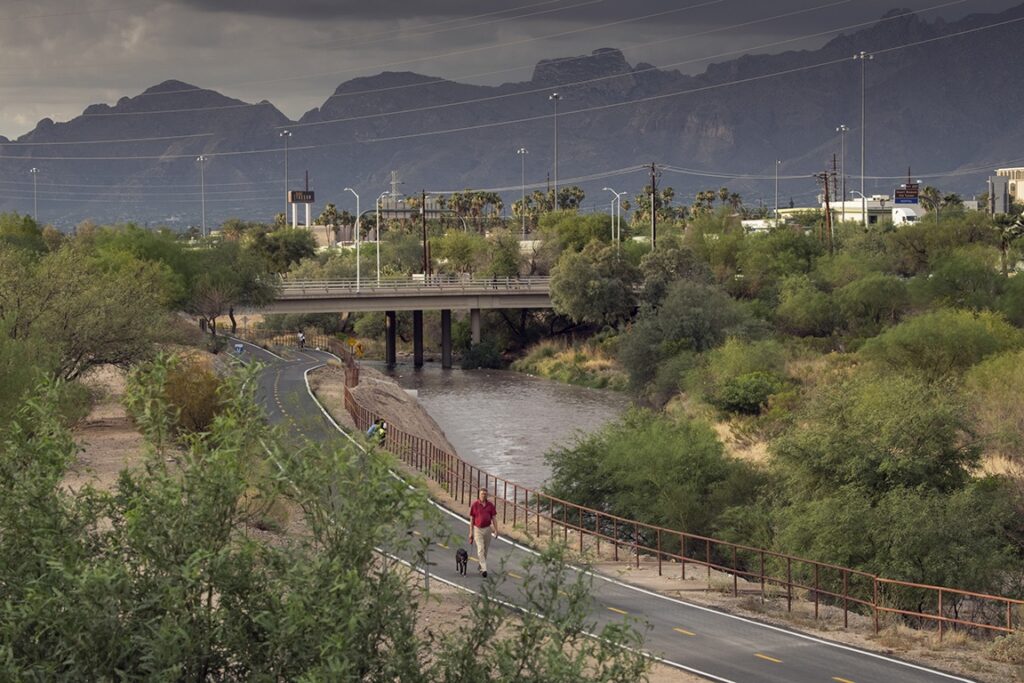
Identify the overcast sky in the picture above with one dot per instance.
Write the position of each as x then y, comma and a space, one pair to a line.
60, 56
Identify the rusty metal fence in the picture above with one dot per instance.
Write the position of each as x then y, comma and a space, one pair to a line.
729, 567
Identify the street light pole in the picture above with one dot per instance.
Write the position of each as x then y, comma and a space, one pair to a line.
202, 184
864, 57
555, 97
35, 194
356, 231
286, 134
863, 205
383, 194
522, 152
616, 216
842, 129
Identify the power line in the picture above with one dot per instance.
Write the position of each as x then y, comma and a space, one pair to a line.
107, 142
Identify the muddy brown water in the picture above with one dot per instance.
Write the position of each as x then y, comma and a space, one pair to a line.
504, 422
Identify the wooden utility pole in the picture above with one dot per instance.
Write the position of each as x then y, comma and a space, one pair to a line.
654, 212
826, 179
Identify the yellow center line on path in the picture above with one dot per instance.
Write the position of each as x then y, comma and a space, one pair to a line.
515, 576
684, 631
416, 533
841, 680
767, 658
443, 546
618, 611
474, 559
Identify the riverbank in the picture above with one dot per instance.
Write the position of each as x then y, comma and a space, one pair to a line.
955, 653
586, 366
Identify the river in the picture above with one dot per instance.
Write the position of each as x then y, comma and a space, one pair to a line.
505, 421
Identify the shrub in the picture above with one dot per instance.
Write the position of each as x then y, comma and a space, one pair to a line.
749, 393
868, 304
1009, 649
482, 355
803, 309
943, 342
192, 390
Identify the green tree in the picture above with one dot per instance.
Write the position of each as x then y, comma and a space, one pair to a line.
229, 277
653, 468
22, 232
662, 267
872, 302
506, 257
804, 310
943, 342
742, 376
877, 433
459, 252
594, 286
283, 248
964, 277
993, 387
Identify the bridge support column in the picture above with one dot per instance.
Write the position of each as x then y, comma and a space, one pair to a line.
390, 332
417, 339
474, 324
446, 338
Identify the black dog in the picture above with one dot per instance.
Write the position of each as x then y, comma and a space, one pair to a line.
461, 560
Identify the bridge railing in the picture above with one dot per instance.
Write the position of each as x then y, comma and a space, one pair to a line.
763, 572
432, 283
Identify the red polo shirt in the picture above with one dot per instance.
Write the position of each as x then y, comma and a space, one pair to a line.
482, 513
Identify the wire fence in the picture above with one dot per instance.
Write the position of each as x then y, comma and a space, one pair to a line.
726, 566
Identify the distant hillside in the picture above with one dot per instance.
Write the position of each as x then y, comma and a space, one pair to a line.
946, 105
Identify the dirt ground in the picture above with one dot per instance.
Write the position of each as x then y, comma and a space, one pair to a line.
956, 653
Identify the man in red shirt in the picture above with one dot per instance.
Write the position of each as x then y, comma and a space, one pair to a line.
483, 525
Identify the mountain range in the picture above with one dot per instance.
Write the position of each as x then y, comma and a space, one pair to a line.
940, 98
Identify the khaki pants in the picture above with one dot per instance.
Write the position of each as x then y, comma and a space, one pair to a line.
482, 539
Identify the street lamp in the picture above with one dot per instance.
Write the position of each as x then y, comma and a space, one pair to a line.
356, 230
522, 152
555, 97
383, 194
864, 57
202, 184
286, 134
863, 204
35, 194
616, 216
842, 130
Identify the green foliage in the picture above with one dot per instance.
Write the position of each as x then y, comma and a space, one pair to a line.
765, 259
1011, 303
693, 317
942, 342
21, 232
741, 376
594, 286
191, 391
483, 355
572, 231
877, 433
89, 313
283, 248
963, 278
804, 310
653, 468
587, 366
459, 252
993, 390
661, 268
505, 257
911, 534
868, 304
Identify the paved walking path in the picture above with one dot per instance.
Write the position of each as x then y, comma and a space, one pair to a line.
709, 643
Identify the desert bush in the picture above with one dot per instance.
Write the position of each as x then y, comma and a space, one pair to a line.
1009, 649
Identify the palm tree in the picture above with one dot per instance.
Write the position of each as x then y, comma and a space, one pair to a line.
1009, 229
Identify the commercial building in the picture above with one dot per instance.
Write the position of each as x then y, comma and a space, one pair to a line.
1015, 182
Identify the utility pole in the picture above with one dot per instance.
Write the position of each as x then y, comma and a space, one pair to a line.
522, 152
843, 129
286, 134
864, 57
654, 213
202, 185
555, 97
825, 179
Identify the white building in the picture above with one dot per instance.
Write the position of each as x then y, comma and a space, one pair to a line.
1015, 177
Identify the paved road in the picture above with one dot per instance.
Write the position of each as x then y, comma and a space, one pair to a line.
709, 643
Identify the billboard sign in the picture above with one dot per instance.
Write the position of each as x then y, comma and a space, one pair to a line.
906, 194
300, 197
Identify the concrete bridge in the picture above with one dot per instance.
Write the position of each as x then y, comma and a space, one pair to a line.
416, 294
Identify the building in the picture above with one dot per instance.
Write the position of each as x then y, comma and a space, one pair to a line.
1014, 182
999, 196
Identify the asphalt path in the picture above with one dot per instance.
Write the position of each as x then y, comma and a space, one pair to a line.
707, 642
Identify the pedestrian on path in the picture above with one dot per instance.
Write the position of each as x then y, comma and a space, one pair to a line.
483, 526
302, 340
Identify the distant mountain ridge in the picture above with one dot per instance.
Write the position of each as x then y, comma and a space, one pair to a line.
937, 105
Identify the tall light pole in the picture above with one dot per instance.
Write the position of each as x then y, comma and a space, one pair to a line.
616, 216
778, 162
555, 97
842, 130
383, 194
522, 152
356, 231
35, 194
864, 57
202, 184
863, 205
286, 134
